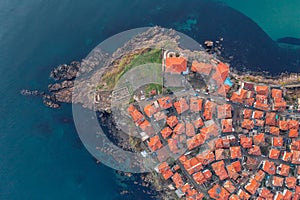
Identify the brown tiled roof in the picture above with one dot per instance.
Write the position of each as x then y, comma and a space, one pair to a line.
287, 156
179, 129
165, 102
190, 129
271, 119
181, 106
277, 181
252, 186
172, 121
221, 73
247, 113
201, 68
166, 132
259, 139
291, 182
258, 114
218, 192
219, 168
283, 170
277, 141
269, 167
155, 143
246, 142
227, 125
176, 64
224, 111
296, 157
276, 93
255, 150
235, 152
283, 125
228, 185
248, 124
274, 153
150, 110
262, 89
196, 104
177, 179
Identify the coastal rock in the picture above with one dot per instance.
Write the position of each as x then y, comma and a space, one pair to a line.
65, 72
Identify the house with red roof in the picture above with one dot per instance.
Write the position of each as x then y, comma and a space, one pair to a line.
269, 167
175, 64
235, 152
246, 142
252, 186
165, 170
166, 132
165, 102
274, 154
219, 169
201, 67
224, 111
196, 104
172, 121
218, 192
221, 73
262, 90
227, 126
181, 106
177, 179
259, 139
271, 119
155, 143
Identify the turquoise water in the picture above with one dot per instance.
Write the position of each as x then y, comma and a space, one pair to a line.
277, 18
41, 156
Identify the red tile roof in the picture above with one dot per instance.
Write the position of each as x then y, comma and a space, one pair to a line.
291, 182
259, 176
283, 125
179, 129
258, 114
155, 143
237, 166
172, 121
274, 130
274, 153
195, 141
219, 168
165, 102
227, 125
146, 127
220, 154
181, 106
293, 124
201, 68
199, 178
165, 170
243, 195
209, 109
176, 64
232, 172
252, 186
265, 193
198, 123
246, 142
276, 93
247, 113
255, 150
283, 170
287, 156
228, 185
269, 167
150, 110
248, 124
166, 132
190, 130
235, 152
196, 104
259, 139
224, 111
277, 141
271, 119
177, 179
296, 157
260, 123
293, 133
277, 181
218, 192
262, 89
173, 145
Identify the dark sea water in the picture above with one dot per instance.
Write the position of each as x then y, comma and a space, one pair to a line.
41, 156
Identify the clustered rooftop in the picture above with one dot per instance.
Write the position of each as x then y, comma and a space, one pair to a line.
242, 148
